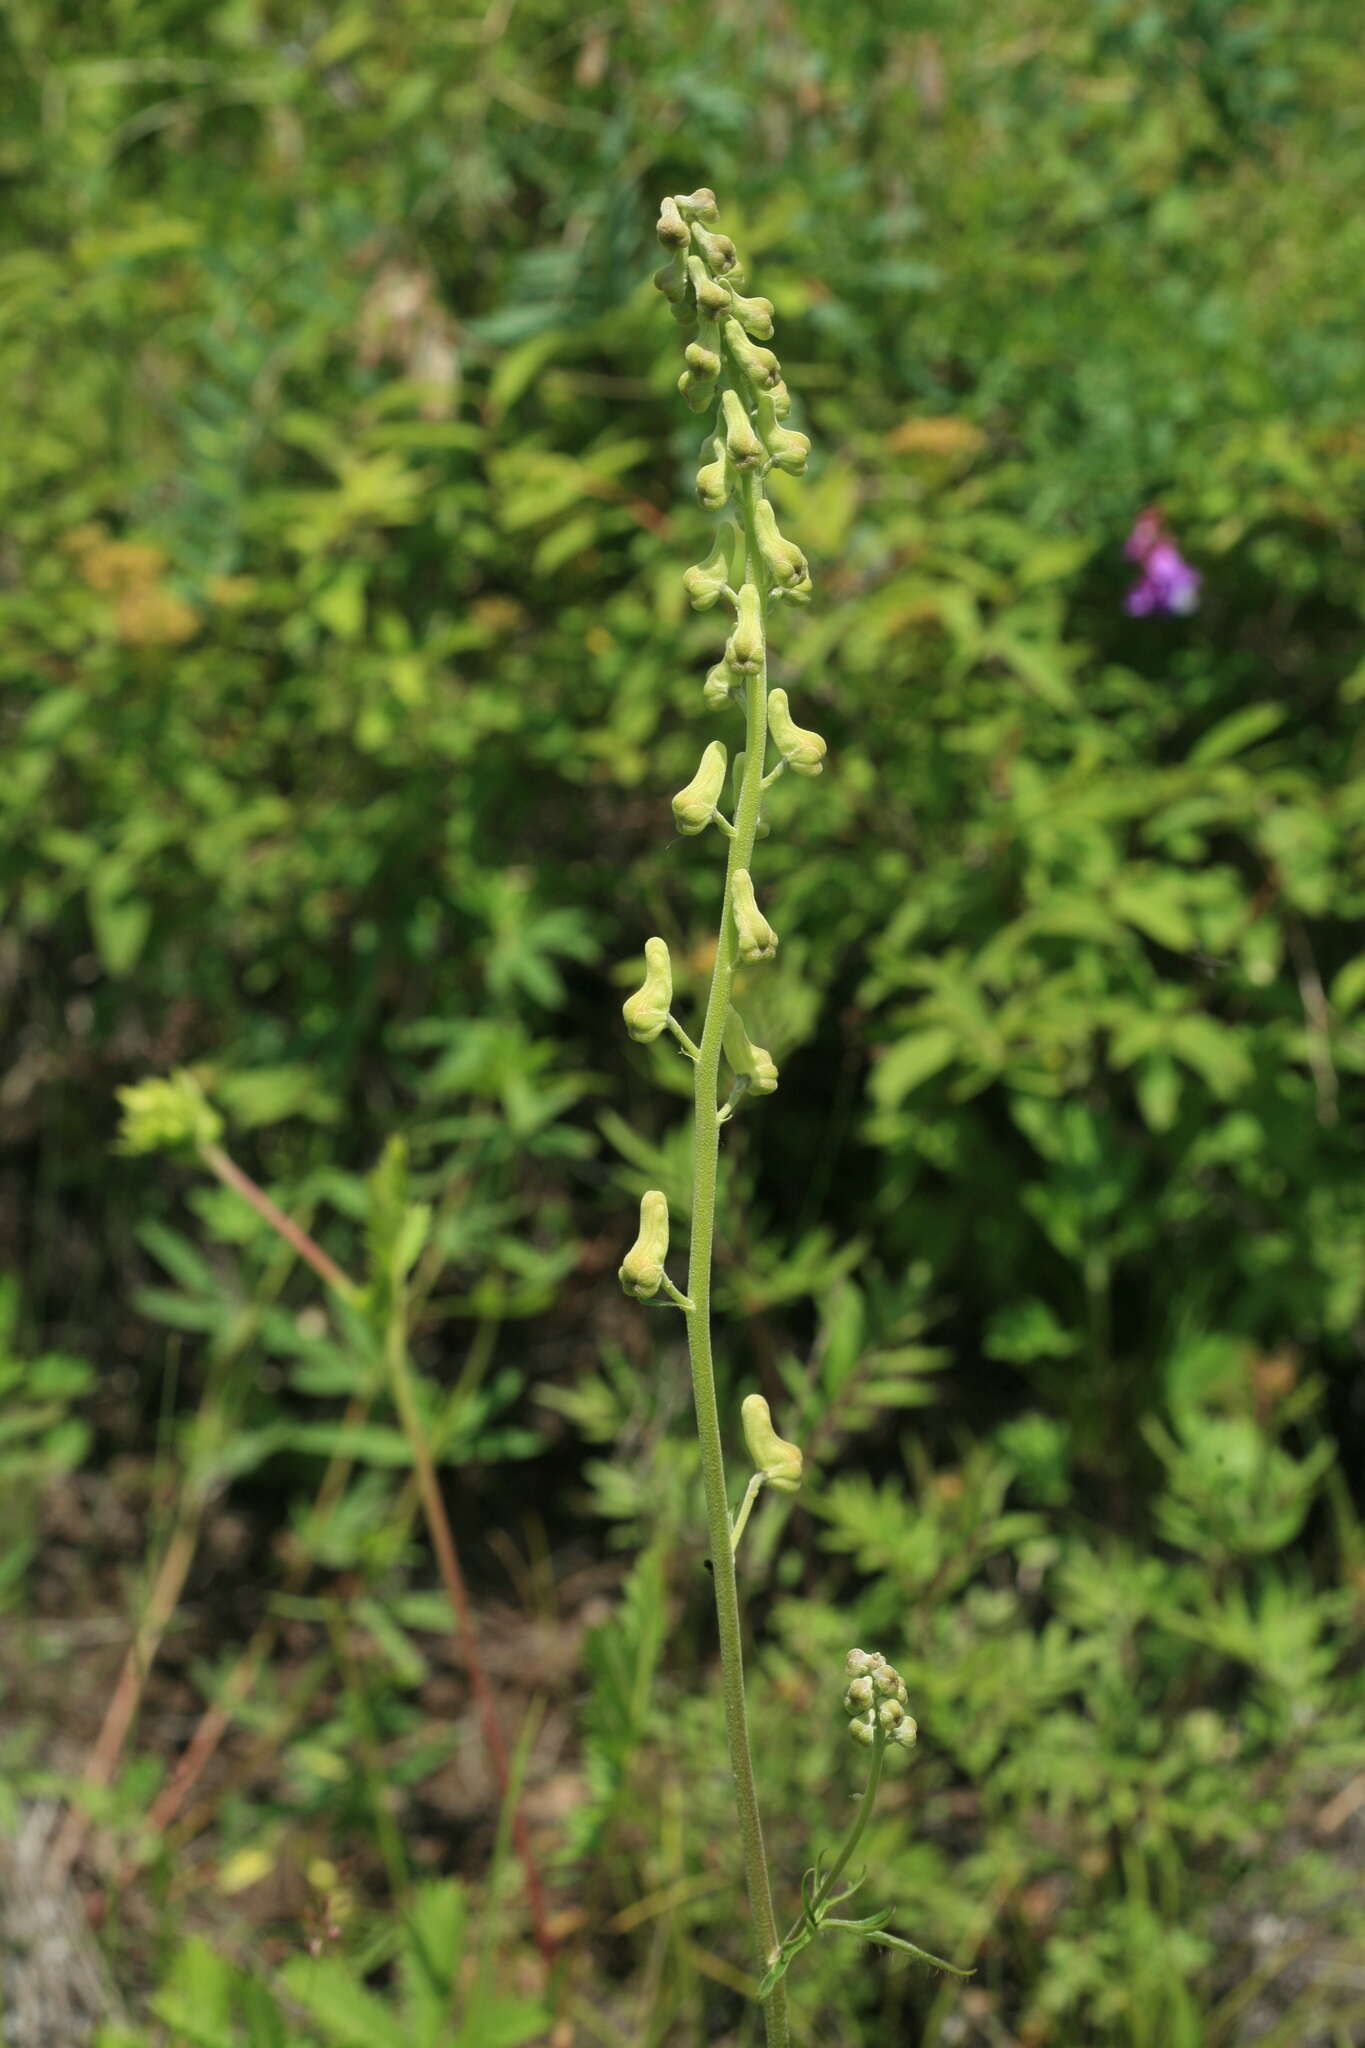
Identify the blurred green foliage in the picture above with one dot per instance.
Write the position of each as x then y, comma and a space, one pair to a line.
344, 674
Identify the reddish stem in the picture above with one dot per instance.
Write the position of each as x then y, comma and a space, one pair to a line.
438, 1525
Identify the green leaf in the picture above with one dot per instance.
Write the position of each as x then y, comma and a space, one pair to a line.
1239, 730
912, 1061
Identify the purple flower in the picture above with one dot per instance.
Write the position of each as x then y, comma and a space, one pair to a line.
1167, 582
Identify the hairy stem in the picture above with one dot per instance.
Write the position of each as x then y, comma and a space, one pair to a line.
705, 1156
855, 1833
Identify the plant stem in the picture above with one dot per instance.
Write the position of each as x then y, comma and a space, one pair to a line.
705, 1159
100, 1765
293, 1233
864, 1815
433, 1507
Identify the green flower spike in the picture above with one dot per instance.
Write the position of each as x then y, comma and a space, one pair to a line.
695, 806
776, 1461
705, 581
742, 444
748, 1063
801, 750
641, 1271
167, 1114
783, 557
646, 1012
757, 939
744, 648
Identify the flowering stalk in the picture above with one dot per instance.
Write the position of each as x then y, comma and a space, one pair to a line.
738, 382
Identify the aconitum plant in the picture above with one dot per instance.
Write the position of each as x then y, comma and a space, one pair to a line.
752, 571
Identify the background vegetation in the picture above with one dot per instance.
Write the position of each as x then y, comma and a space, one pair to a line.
346, 674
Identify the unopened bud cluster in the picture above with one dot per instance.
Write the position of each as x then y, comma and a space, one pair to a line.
169, 1113
876, 1699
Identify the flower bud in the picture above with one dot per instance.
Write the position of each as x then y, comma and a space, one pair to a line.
641, 1272
705, 581
784, 558
167, 1113
755, 316
714, 478
718, 251
781, 398
695, 806
760, 365
753, 1064
744, 648
713, 297
646, 1012
803, 751
778, 1461
742, 444
702, 361
698, 205
786, 449
672, 229
700, 392
672, 278
720, 686
876, 1699
757, 939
